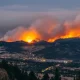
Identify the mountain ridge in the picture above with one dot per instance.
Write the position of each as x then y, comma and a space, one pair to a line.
60, 49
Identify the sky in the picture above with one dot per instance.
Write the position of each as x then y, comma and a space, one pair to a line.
15, 13
45, 3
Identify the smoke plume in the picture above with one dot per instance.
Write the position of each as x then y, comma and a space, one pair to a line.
48, 29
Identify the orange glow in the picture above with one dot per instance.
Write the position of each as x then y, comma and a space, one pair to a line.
73, 32
29, 40
49, 32
9, 40
30, 36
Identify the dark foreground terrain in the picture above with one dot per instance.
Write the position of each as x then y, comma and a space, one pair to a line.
60, 49
11, 71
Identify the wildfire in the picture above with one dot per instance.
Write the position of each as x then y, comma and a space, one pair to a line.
47, 30
73, 32
30, 36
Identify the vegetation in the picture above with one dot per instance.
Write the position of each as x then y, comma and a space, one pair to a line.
14, 73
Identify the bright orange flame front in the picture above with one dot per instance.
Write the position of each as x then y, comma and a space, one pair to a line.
30, 36
73, 32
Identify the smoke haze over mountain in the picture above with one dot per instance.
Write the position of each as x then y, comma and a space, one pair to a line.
28, 14
45, 28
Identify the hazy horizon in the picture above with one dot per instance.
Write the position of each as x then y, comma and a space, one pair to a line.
25, 13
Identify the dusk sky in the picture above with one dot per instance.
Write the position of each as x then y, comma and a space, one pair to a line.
15, 13
35, 4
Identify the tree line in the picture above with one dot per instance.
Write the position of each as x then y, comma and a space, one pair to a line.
14, 73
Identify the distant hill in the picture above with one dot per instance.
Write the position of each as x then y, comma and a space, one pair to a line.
60, 49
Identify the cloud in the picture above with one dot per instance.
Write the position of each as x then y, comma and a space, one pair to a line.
45, 28
14, 7
12, 16
14, 34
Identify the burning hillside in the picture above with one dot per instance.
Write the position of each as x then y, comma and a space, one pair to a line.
46, 29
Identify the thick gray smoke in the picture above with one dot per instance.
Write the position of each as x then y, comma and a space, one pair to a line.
14, 34
47, 28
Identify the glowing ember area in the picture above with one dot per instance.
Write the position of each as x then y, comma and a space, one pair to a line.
71, 31
44, 29
30, 36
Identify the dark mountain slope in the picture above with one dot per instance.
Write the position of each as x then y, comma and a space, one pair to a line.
62, 48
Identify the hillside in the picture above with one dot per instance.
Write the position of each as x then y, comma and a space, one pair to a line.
60, 49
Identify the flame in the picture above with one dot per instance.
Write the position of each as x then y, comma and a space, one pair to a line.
70, 32
30, 36
46, 30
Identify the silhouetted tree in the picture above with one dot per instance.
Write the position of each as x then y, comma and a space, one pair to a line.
24, 75
4, 64
45, 77
78, 76
13, 71
17, 73
52, 78
32, 76
57, 74
74, 78
8, 68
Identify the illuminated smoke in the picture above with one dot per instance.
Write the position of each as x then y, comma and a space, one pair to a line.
47, 29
